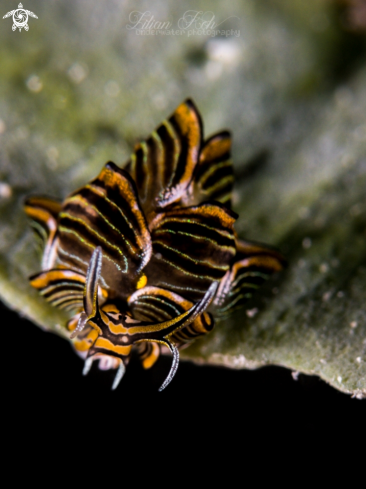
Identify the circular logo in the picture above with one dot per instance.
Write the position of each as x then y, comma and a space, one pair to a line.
20, 18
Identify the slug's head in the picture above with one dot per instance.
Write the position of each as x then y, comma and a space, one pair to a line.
117, 332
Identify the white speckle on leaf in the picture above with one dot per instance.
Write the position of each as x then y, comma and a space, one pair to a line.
239, 361
226, 51
358, 359
306, 243
353, 324
295, 375
252, 312
324, 267
34, 84
5, 190
327, 296
234, 361
323, 361
77, 73
339, 378
359, 394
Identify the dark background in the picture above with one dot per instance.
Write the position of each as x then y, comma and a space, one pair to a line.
43, 388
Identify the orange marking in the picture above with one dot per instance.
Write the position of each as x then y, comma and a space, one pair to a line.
113, 179
108, 345
189, 121
43, 279
71, 325
43, 216
248, 248
152, 358
51, 206
111, 308
260, 261
216, 147
142, 282
86, 343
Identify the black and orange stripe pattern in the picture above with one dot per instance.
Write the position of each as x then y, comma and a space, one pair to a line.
194, 245
106, 213
62, 288
141, 254
43, 213
213, 177
163, 165
254, 264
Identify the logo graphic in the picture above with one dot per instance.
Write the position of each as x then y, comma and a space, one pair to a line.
20, 17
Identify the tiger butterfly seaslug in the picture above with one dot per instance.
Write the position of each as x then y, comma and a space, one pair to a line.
141, 254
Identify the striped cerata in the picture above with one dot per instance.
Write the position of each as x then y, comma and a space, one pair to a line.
146, 255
